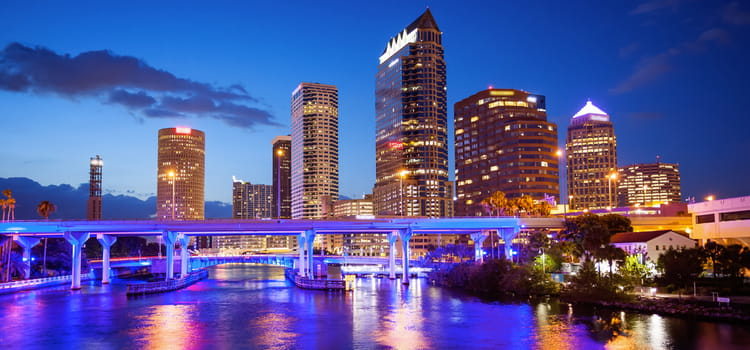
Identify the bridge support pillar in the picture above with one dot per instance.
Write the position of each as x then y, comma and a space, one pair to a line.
26, 243
508, 234
76, 239
478, 238
310, 239
169, 238
392, 237
301, 246
405, 252
184, 256
106, 241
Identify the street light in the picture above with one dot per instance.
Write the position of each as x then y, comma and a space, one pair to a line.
562, 161
710, 198
402, 174
171, 175
279, 154
610, 178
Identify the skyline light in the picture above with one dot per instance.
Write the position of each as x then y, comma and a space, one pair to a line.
227, 69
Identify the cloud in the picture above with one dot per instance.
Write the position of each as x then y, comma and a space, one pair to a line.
732, 14
648, 70
653, 6
126, 81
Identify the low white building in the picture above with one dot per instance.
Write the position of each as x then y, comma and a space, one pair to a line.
651, 243
724, 220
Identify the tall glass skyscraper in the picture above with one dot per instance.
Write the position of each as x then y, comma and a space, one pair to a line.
315, 149
411, 122
591, 150
503, 143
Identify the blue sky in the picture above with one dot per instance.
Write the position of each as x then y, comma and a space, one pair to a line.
670, 73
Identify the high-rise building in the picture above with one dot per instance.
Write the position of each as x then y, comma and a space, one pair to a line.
315, 148
94, 204
503, 142
591, 151
358, 244
181, 176
411, 122
251, 201
352, 207
648, 184
282, 177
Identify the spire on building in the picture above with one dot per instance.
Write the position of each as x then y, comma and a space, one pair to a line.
588, 109
425, 21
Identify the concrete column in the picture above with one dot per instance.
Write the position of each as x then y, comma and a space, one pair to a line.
311, 261
405, 237
508, 234
169, 238
26, 243
392, 237
301, 246
76, 239
184, 256
106, 241
478, 238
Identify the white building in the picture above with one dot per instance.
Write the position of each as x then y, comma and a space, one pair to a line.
724, 220
651, 243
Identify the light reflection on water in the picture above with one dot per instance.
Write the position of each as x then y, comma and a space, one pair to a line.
253, 307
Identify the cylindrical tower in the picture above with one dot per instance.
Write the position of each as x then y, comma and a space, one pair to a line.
181, 174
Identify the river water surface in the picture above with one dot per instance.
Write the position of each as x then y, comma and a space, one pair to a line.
242, 306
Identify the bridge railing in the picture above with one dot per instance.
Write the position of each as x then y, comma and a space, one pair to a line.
36, 282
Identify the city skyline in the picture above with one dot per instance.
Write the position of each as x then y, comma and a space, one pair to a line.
643, 84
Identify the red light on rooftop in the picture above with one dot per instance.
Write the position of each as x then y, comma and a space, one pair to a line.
183, 131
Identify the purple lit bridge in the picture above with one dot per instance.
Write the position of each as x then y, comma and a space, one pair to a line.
28, 233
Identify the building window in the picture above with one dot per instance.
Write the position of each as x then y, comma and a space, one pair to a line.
703, 219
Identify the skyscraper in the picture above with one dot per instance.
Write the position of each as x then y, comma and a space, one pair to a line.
411, 122
503, 142
649, 184
315, 148
282, 177
591, 150
94, 204
181, 177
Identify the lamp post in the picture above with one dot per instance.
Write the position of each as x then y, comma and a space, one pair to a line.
563, 162
610, 178
171, 175
401, 176
279, 154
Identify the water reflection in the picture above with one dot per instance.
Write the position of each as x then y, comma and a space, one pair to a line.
168, 327
277, 331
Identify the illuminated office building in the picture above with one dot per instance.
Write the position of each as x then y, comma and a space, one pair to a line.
282, 177
591, 151
249, 201
411, 136
315, 148
94, 204
181, 176
649, 184
503, 142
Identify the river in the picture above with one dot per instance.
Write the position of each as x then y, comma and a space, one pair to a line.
253, 307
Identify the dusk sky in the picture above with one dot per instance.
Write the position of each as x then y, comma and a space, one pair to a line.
81, 79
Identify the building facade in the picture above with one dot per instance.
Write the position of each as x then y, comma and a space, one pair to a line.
648, 185
411, 139
251, 201
503, 142
591, 159
314, 149
181, 176
282, 177
94, 203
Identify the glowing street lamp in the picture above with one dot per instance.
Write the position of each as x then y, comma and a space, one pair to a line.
279, 154
402, 174
710, 198
611, 177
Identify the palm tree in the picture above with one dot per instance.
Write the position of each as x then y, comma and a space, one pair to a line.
11, 203
4, 204
496, 203
45, 209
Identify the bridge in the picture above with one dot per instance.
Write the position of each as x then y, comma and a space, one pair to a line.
28, 233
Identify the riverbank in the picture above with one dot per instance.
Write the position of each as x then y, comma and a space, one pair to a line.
685, 307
